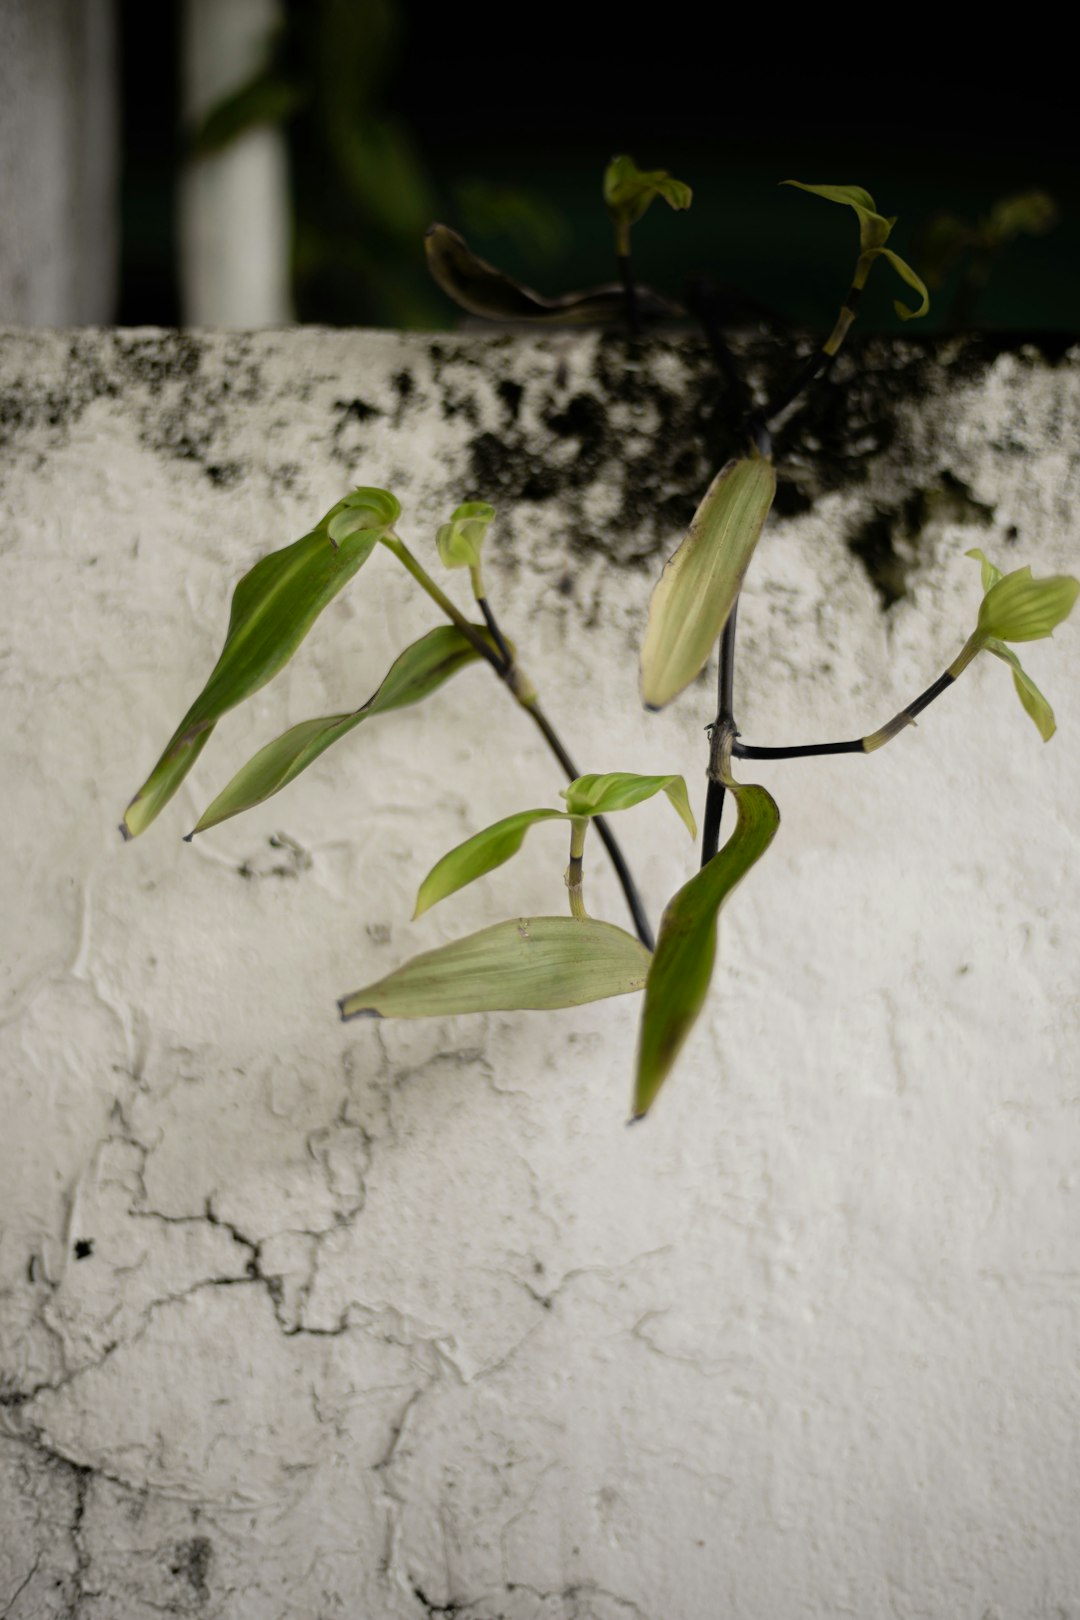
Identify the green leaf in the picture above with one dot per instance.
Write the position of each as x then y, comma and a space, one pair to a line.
700, 583
268, 98
1026, 690
1019, 608
1029, 213
535, 226
538, 962
480, 854
943, 240
620, 790
420, 670
628, 190
906, 273
686, 949
461, 540
874, 228
483, 290
273, 608
990, 574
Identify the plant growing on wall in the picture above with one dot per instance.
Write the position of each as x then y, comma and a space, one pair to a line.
550, 962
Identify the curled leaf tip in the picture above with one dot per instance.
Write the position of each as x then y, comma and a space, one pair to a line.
460, 541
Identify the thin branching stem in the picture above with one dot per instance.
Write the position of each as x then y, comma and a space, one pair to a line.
496, 634
876, 739
508, 671
754, 431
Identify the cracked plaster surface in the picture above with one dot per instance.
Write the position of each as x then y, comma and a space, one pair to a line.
303, 1319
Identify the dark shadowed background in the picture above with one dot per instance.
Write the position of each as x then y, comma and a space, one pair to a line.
501, 124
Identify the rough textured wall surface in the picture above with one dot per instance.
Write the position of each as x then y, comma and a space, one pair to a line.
300, 1319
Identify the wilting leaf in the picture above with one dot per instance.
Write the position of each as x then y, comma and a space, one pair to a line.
905, 272
874, 232
1026, 690
628, 191
621, 790
483, 290
1019, 608
874, 228
538, 962
686, 948
460, 541
700, 583
273, 608
480, 854
420, 670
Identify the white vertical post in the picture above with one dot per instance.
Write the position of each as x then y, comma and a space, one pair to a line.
58, 163
235, 227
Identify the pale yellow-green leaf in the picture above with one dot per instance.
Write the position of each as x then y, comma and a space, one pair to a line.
906, 273
1026, 690
628, 190
620, 790
990, 574
460, 541
874, 228
1031, 213
538, 963
480, 854
700, 583
685, 953
1020, 608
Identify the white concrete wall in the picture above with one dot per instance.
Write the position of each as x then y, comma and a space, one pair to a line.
378, 1320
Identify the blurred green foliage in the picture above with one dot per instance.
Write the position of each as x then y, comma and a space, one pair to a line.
385, 135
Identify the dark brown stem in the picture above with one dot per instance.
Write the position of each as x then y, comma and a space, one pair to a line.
502, 662
496, 633
610, 843
626, 276
876, 739
724, 722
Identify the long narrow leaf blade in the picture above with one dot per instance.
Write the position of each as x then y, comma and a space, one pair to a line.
484, 290
1032, 699
480, 854
699, 585
686, 949
273, 608
420, 670
528, 963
